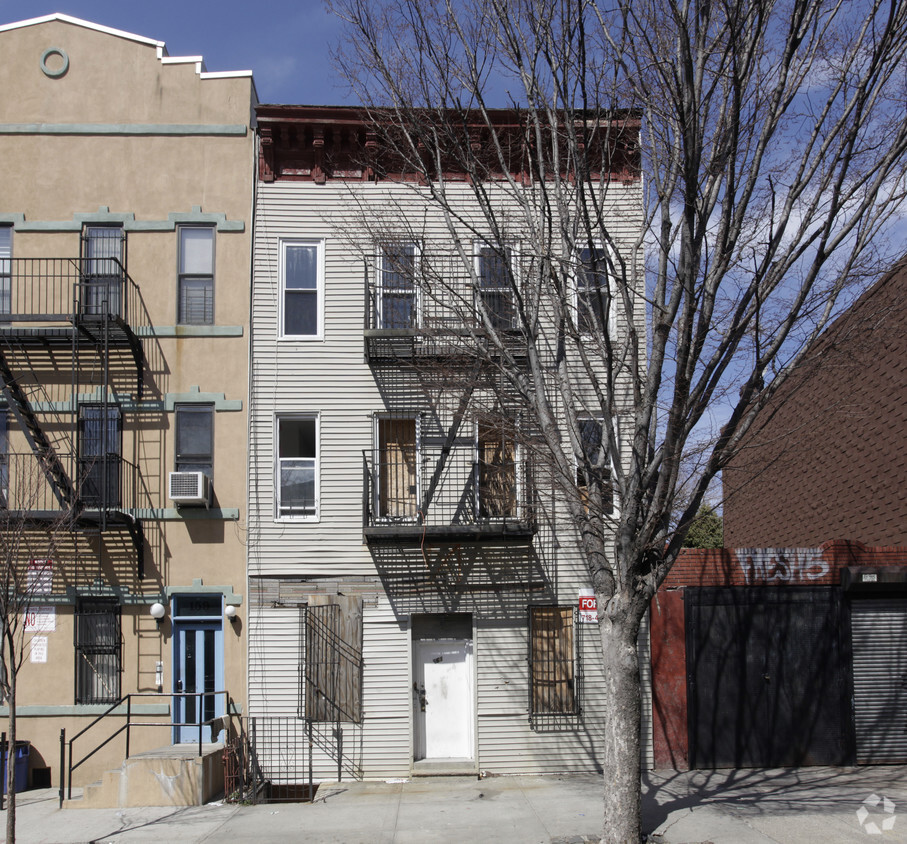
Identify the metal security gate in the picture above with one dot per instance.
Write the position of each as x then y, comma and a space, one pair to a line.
768, 677
879, 642
330, 694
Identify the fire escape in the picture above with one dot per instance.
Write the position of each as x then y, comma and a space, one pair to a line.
453, 472
69, 351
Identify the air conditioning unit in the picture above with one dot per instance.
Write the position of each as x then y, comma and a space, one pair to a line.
188, 488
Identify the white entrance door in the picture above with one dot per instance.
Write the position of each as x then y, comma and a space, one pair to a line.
444, 700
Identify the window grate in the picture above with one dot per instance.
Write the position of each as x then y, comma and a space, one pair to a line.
555, 668
98, 651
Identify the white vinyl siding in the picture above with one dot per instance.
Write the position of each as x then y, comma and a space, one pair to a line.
293, 379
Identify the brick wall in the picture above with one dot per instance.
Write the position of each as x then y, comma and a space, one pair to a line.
829, 456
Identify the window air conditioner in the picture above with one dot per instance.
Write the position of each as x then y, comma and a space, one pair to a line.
188, 488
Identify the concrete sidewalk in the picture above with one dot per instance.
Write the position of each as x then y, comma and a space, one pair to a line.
723, 807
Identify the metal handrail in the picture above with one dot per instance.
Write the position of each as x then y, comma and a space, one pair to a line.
229, 707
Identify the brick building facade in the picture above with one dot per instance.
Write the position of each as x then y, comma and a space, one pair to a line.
828, 459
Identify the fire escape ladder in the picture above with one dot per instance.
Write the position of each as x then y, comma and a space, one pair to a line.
43, 449
449, 441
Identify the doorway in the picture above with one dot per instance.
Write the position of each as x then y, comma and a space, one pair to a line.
443, 689
767, 677
198, 666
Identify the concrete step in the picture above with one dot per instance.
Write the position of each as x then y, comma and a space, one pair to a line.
167, 776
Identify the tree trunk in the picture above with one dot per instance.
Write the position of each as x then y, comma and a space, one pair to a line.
622, 802
11, 763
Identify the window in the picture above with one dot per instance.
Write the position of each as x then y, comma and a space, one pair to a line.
196, 276
595, 469
495, 275
553, 675
397, 463
397, 291
496, 465
593, 302
98, 654
6, 267
195, 439
302, 288
99, 456
297, 467
103, 249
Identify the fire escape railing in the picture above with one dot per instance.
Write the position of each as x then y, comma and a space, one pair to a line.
66, 314
469, 492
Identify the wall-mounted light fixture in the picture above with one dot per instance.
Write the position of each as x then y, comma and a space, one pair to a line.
230, 612
158, 611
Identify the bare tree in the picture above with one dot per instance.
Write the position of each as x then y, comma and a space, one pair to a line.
771, 144
27, 549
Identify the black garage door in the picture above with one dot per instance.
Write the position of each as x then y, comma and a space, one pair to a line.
767, 677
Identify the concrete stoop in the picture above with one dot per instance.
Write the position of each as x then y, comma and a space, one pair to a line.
169, 776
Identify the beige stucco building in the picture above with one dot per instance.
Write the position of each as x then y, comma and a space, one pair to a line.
125, 235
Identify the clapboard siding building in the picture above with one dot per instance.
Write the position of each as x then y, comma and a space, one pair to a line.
413, 592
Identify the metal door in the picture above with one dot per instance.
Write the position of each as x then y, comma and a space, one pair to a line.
879, 641
443, 700
768, 677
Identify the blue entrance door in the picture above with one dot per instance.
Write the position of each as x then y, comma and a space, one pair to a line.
198, 670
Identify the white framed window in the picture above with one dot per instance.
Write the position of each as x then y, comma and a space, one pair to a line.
6, 269
196, 276
301, 289
595, 468
496, 283
594, 307
398, 294
297, 469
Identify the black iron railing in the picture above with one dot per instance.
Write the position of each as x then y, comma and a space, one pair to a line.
452, 488
68, 290
122, 708
104, 482
440, 311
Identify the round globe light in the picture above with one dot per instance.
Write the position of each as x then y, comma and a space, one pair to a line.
158, 610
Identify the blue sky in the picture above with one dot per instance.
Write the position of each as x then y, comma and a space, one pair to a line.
285, 42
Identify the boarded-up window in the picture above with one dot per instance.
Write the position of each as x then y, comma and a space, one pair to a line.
497, 472
397, 469
552, 663
331, 670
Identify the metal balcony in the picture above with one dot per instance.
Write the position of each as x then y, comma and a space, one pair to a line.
447, 497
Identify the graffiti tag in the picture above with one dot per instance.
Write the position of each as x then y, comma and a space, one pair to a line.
781, 565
